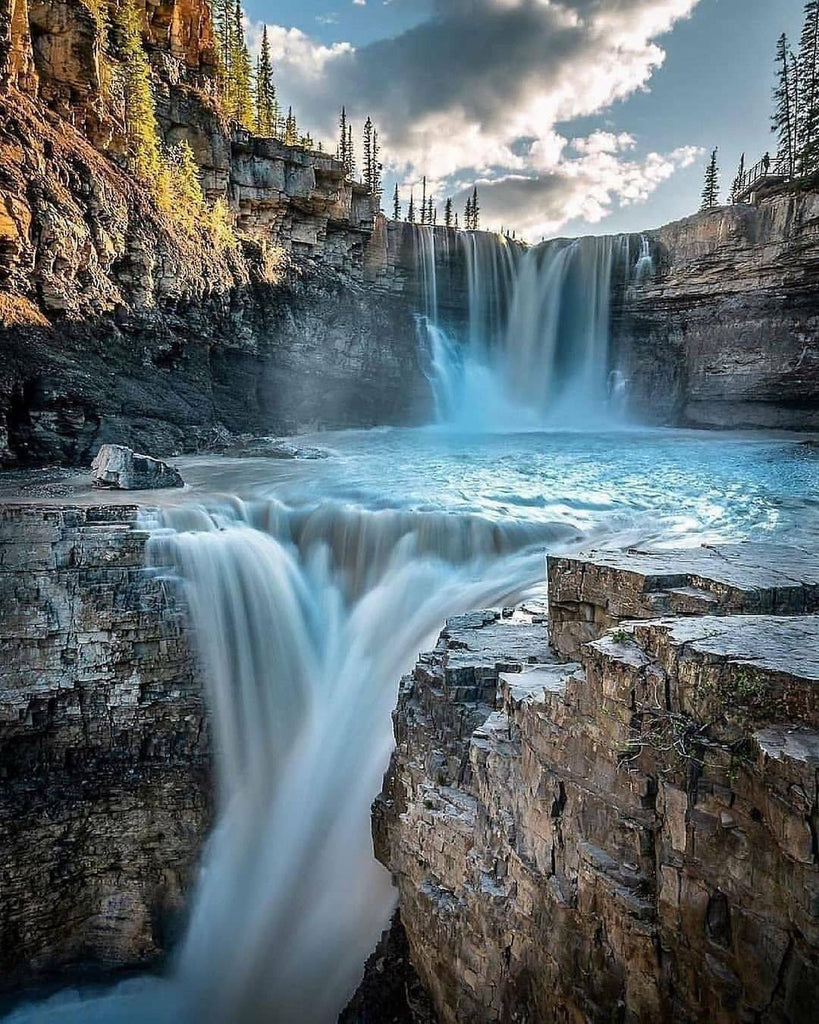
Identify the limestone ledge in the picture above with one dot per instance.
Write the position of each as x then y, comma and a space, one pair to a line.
629, 836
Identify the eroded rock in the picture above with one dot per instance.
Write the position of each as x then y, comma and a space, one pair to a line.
104, 748
630, 837
123, 469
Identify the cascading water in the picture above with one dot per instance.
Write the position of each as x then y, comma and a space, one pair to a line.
305, 621
537, 346
644, 267
307, 611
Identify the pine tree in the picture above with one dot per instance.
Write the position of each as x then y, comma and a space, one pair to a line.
457, 225
448, 213
223, 23
411, 210
341, 150
350, 152
377, 168
430, 211
291, 131
239, 89
476, 210
267, 108
736, 188
710, 191
396, 205
805, 92
784, 122
468, 214
368, 154
424, 200
141, 127
184, 188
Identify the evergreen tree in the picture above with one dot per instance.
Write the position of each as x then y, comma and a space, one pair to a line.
396, 205
476, 210
804, 88
448, 213
710, 191
468, 214
736, 188
411, 210
184, 187
784, 122
424, 200
377, 168
368, 154
267, 108
341, 150
141, 127
223, 24
239, 81
430, 211
457, 225
291, 131
350, 152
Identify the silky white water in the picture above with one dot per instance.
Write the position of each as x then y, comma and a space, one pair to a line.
312, 585
537, 349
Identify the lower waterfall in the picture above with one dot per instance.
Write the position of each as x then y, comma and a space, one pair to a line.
305, 620
309, 596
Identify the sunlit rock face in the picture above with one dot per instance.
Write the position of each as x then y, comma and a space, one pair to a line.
105, 756
629, 835
724, 332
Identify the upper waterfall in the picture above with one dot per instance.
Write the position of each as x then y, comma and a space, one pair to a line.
536, 344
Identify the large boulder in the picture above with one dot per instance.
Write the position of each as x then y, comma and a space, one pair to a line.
123, 469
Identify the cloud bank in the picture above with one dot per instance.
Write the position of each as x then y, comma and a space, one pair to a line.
479, 90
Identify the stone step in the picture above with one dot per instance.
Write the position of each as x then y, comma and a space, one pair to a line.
593, 592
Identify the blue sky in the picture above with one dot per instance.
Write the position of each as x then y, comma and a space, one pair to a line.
574, 116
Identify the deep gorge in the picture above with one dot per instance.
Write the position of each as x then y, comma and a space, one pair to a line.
594, 798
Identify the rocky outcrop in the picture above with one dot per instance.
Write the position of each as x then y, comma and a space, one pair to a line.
119, 324
724, 332
123, 469
628, 837
104, 752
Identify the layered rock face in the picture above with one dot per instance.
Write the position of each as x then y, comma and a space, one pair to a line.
104, 753
724, 334
117, 325
631, 836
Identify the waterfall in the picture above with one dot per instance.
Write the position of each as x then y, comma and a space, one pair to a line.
491, 264
644, 267
305, 619
536, 350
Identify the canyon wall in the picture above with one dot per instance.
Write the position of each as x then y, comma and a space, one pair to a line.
725, 332
118, 323
628, 836
104, 749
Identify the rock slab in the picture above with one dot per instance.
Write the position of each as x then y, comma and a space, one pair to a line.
123, 469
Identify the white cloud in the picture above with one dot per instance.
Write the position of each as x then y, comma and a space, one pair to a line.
481, 88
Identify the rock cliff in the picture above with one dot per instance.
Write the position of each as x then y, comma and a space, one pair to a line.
104, 751
631, 836
724, 332
120, 326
